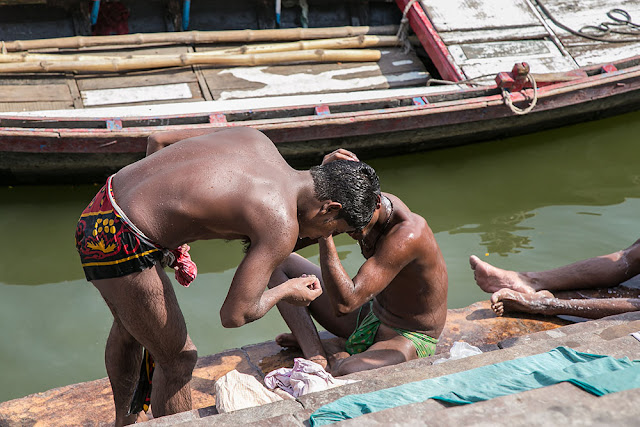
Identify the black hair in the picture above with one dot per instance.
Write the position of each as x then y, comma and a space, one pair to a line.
355, 185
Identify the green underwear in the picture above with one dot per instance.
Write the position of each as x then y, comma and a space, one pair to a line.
362, 338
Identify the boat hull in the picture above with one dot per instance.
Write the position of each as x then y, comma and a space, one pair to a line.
75, 154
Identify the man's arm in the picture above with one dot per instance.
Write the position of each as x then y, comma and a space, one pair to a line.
373, 276
158, 140
247, 299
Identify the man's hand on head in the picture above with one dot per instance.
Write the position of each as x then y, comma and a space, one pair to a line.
340, 154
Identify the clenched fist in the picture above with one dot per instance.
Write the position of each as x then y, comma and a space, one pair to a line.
302, 290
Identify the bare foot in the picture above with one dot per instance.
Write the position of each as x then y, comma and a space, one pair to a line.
142, 417
287, 339
492, 279
510, 300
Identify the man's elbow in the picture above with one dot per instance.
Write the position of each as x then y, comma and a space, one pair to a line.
344, 308
233, 321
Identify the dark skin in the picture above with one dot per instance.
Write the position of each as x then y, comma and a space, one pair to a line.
533, 292
231, 184
404, 273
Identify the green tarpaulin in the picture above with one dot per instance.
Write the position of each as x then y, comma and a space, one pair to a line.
595, 373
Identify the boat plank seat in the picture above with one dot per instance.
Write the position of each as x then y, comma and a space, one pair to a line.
576, 14
395, 69
486, 37
177, 84
38, 93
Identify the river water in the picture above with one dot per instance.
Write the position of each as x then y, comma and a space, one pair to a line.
525, 203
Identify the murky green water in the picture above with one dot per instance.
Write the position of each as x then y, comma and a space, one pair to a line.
525, 203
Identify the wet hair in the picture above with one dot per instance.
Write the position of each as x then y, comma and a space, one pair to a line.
355, 185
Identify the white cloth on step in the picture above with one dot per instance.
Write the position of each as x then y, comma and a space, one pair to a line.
236, 391
305, 377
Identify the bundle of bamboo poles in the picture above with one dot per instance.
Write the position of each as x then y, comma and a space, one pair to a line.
338, 44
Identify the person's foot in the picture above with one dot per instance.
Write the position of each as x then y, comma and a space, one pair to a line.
287, 339
492, 279
510, 300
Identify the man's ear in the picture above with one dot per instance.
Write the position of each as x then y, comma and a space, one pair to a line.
330, 206
378, 201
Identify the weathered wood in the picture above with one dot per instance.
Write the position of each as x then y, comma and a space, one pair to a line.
142, 78
494, 35
395, 69
7, 107
478, 59
157, 93
40, 93
198, 37
576, 14
465, 15
75, 93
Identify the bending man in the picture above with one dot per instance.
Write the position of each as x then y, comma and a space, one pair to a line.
532, 292
395, 307
231, 184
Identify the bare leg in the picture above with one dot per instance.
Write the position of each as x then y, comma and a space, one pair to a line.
604, 271
305, 334
123, 356
390, 349
491, 279
544, 303
145, 306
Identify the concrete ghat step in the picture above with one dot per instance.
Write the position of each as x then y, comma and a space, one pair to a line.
560, 404
605, 336
69, 405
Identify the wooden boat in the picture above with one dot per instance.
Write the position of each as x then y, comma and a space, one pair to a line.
476, 71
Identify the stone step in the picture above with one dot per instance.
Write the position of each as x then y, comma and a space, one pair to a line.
608, 336
559, 404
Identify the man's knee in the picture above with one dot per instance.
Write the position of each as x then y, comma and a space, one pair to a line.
180, 364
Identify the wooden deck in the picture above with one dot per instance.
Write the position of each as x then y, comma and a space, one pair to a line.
487, 37
65, 91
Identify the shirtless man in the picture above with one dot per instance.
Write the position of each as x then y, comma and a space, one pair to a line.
533, 292
231, 184
395, 307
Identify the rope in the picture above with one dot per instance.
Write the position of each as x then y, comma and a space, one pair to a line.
604, 27
520, 111
403, 29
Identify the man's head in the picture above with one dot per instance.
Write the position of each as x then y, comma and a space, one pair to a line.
354, 185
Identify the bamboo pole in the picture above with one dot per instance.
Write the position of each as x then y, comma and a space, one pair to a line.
340, 43
150, 62
197, 37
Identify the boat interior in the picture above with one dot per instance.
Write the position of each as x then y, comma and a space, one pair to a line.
566, 38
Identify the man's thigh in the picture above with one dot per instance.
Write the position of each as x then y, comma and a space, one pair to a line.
386, 352
146, 305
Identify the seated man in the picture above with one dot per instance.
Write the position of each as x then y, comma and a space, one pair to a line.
230, 184
392, 311
533, 292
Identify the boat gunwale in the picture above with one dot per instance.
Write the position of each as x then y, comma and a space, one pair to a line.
550, 90
284, 131
463, 95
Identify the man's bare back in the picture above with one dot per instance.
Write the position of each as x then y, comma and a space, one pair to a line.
191, 183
